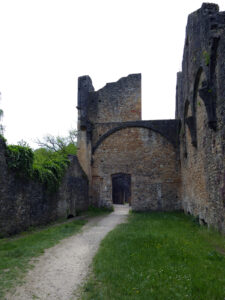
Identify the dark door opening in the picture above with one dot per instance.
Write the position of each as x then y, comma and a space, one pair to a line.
121, 188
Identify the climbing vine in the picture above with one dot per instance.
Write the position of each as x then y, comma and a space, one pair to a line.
49, 171
20, 159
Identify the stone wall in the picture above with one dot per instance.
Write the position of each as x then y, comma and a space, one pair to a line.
114, 140
172, 163
201, 108
149, 158
73, 192
84, 127
167, 128
116, 102
25, 203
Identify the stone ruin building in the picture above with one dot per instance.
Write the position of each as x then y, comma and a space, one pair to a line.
167, 164
160, 165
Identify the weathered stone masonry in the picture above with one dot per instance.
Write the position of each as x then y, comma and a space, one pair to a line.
115, 141
154, 165
172, 164
25, 203
201, 109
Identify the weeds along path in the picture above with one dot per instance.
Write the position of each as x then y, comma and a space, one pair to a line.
62, 268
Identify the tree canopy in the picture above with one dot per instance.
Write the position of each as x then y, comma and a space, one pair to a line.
46, 164
65, 145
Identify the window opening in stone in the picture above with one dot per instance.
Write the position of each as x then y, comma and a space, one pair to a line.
121, 188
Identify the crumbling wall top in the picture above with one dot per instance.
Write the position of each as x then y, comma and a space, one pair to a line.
116, 102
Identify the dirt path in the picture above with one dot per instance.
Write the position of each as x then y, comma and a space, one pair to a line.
62, 268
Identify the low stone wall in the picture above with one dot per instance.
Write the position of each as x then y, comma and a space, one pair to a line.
25, 203
73, 192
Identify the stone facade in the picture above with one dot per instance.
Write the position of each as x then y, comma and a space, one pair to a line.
25, 203
154, 172
169, 164
113, 140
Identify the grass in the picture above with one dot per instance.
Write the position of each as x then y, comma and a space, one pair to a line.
159, 256
96, 211
16, 253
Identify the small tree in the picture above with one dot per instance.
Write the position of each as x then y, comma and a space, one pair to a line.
23, 143
65, 145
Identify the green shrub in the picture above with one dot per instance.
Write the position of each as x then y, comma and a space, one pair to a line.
46, 166
20, 159
50, 169
71, 149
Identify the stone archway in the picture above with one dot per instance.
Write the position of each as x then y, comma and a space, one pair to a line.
151, 161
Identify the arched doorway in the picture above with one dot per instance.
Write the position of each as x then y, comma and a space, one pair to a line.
121, 188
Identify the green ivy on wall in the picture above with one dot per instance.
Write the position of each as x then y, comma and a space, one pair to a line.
49, 171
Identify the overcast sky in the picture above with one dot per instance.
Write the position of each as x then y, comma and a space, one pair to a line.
45, 45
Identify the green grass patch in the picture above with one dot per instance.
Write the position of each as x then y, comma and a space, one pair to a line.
96, 211
16, 253
159, 256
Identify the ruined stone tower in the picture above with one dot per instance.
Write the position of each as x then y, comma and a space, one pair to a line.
165, 164
125, 158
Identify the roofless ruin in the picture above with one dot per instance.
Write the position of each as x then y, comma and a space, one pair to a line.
152, 165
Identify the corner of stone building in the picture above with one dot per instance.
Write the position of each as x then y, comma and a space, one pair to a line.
72, 196
84, 126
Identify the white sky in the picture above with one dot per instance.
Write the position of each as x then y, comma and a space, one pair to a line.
46, 44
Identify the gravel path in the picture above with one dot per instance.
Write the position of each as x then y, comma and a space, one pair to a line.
62, 268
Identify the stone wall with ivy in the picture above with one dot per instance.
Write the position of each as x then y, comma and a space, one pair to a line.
27, 201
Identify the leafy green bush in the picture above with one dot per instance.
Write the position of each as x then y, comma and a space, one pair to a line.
20, 159
49, 167
71, 149
46, 166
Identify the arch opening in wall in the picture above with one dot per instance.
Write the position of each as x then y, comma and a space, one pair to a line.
150, 161
205, 89
201, 116
171, 137
121, 188
186, 107
189, 121
196, 87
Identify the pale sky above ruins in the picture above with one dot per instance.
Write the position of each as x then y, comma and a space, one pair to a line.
47, 44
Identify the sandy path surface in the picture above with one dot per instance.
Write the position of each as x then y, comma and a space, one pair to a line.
62, 268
